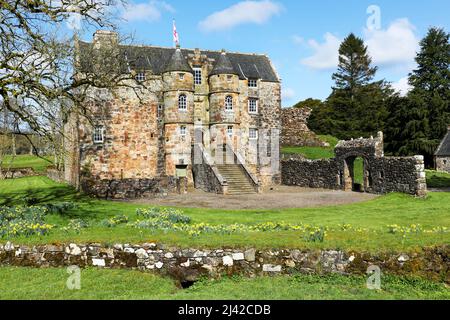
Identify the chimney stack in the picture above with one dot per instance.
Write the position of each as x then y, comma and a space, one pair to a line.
105, 37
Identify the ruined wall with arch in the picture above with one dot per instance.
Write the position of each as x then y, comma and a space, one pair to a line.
380, 174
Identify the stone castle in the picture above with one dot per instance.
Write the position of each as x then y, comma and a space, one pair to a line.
206, 119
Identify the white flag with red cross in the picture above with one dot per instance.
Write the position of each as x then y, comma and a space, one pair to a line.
176, 40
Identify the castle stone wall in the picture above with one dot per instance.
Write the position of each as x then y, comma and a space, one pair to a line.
295, 130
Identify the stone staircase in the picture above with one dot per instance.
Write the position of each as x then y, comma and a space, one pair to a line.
238, 181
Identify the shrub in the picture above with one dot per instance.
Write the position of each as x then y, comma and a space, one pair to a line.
114, 221
23, 221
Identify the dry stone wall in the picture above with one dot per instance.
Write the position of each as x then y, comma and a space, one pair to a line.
191, 263
380, 174
17, 173
295, 130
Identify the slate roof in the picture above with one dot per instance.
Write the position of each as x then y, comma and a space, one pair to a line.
223, 66
444, 148
178, 63
156, 60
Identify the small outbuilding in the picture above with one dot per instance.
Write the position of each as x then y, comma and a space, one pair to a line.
442, 155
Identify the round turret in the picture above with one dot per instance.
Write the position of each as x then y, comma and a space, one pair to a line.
178, 81
224, 91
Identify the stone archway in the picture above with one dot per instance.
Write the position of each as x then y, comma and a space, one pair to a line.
356, 175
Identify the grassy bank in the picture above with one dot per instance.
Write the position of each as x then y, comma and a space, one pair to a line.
27, 161
26, 283
361, 226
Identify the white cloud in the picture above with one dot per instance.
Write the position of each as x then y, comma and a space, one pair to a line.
244, 12
149, 11
297, 39
402, 86
326, 55
395, 46
287, 93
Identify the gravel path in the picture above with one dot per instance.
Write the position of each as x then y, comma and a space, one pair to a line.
280, 198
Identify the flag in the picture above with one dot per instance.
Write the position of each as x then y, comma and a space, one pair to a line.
176, 40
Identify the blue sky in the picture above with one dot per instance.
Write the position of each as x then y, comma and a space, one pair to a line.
301, 37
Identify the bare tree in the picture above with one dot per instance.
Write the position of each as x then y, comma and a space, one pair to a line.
39, 69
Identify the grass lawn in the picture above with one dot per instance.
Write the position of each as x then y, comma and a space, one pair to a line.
27, 283
438, 179
27, 161
368, 221
314, 152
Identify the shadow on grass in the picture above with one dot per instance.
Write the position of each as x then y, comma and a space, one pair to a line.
441, 181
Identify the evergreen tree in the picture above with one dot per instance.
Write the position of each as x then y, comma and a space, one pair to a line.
418, 122
357, 105
431, 80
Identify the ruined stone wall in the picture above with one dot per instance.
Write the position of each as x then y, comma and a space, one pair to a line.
192, 263
295, 131
380, 174
128, 188
270, 129
402, 175
55, 175
443, 164
14, 173
310, 173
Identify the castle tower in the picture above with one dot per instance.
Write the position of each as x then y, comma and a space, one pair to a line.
178, 96
224, 108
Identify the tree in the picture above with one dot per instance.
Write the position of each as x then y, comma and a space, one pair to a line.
354, 70
419, 121
357, 106
431, 80
38, 62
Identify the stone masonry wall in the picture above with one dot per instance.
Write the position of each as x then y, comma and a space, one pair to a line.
310, 173
295, 130
192, 263
380, 174
443, 164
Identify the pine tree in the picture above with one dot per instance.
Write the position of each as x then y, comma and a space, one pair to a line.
431, 80
418, 123
357, 105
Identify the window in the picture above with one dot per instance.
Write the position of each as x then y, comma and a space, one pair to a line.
182, 103
98, 134
229, 103
140, 77
181, 76
253, 134
160, 107
230, 131
252, 83
252, 106
183, 131
198, 75
229, 78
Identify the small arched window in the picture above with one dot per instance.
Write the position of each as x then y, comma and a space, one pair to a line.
182, 102
229, 103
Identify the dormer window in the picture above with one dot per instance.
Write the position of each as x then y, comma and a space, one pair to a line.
229, 103
98, 134
197, 76
252, 83
182, 102
140, 77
